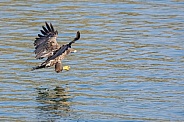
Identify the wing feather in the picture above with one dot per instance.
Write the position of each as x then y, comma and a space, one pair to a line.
39, 35
43, 32
45, 29
48, 27
52, 28
45, 44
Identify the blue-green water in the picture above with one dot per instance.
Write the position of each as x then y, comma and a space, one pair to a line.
129, 65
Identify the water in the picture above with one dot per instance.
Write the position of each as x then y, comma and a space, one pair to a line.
129, 65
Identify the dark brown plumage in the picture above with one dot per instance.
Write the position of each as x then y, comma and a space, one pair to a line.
46, 46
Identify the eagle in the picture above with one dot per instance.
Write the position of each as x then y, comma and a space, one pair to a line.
46, 46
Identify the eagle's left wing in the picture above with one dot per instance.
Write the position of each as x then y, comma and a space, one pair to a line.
46, 44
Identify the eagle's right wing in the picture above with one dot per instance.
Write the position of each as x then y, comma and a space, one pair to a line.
46, 44
64, 50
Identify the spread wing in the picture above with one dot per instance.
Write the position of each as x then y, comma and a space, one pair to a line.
64, 50
46, 44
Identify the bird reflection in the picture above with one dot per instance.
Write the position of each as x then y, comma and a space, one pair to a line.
53, 103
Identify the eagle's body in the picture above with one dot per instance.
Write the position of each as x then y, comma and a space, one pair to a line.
46, 46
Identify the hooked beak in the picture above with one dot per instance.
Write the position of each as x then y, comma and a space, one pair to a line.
74, 51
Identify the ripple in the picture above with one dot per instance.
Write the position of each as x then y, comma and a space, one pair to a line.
129, 64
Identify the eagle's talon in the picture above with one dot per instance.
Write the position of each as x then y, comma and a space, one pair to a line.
67, 68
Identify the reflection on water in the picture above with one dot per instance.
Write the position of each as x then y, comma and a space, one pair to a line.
129, 65
53, 103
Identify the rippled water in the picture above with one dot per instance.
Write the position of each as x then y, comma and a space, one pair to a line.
129, 65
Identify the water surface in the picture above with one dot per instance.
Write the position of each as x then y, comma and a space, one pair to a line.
129, 65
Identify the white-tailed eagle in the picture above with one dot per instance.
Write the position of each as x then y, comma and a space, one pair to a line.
46, 46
